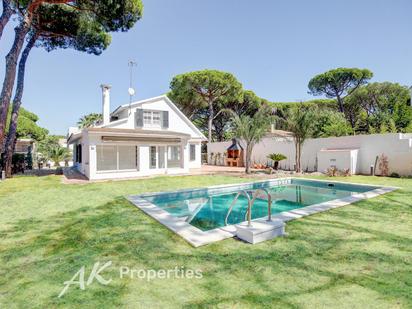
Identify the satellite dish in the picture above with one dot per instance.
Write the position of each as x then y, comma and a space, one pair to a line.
131, 91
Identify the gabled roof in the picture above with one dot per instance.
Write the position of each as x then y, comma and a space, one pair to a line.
169, 102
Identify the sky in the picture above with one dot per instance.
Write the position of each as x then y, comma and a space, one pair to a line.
273, 47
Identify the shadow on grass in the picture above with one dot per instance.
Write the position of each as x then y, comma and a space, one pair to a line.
269, 274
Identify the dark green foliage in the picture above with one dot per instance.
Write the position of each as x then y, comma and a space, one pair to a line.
89, 120
27, 126
339, 82
330, 123
277, 157
204, 94
379, 108
21, 162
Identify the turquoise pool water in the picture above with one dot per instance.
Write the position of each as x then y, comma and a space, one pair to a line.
207, 208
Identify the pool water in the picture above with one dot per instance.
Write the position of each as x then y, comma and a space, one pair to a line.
207, 209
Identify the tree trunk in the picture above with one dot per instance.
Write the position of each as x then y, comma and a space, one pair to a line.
10, 74
5, 16
210, 121
296, 154
248, 158
11, 137
340, 101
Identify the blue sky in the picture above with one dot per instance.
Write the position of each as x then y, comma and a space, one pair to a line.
273, 47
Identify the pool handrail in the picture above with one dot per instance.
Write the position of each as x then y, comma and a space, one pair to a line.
241, 192
255, 195
250, 203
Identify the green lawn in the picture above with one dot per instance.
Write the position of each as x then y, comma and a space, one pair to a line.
358, 256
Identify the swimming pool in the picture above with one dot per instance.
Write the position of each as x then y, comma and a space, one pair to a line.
206, 210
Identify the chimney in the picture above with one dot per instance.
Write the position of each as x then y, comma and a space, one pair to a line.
106, 103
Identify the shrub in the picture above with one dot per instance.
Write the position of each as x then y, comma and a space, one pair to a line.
276, 157
332, 172
395, 175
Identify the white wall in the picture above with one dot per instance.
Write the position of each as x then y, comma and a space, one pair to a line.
197, 163
398, 148
341, 159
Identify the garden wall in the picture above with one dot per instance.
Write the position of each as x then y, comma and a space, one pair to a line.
397, 147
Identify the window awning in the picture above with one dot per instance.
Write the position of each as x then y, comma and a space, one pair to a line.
148, 139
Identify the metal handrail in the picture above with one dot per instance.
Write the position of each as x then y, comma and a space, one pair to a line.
255, 195
250, 203
242, 192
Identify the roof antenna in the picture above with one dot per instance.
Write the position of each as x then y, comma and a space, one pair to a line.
131, 90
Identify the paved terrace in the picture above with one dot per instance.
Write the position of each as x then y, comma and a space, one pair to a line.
71, 176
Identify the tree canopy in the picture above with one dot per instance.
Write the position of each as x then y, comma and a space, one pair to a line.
60, 24
89, 120
339, 82
380, 108
209, 90
27, 126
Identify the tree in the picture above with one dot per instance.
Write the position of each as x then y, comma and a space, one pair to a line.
251, 129
89, 120
300, 121
210, 87
88, 15
247, 104
339, 82
60, 26
58, 154
276, 158
378, 107
330, 123
27, 126
5, 15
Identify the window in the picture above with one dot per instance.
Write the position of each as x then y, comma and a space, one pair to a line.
192, 152
114, 158
78, 155
153, 157
127, 157
106, 158
151, 118
161, 153
173, 156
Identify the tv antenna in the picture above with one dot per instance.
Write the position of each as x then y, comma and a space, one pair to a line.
131, 64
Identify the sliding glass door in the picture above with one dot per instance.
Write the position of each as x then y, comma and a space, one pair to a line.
162, 152
173, 156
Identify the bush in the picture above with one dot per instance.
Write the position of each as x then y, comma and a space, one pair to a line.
395, 175
276, 157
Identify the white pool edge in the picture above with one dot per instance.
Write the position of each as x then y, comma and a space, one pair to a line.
197, 237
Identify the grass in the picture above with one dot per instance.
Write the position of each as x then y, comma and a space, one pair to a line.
357, 256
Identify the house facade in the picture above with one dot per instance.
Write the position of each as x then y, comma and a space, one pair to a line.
148, 137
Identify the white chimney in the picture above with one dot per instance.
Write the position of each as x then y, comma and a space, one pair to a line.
106, 103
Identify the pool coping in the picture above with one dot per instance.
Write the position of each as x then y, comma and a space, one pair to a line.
196, 237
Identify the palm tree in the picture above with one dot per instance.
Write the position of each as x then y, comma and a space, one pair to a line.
251, 130
276, 158
299, 120
90, 120
58, 154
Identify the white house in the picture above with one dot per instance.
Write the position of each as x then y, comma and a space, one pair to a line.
149, 137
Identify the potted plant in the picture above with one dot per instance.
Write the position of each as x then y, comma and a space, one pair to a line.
276, 158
